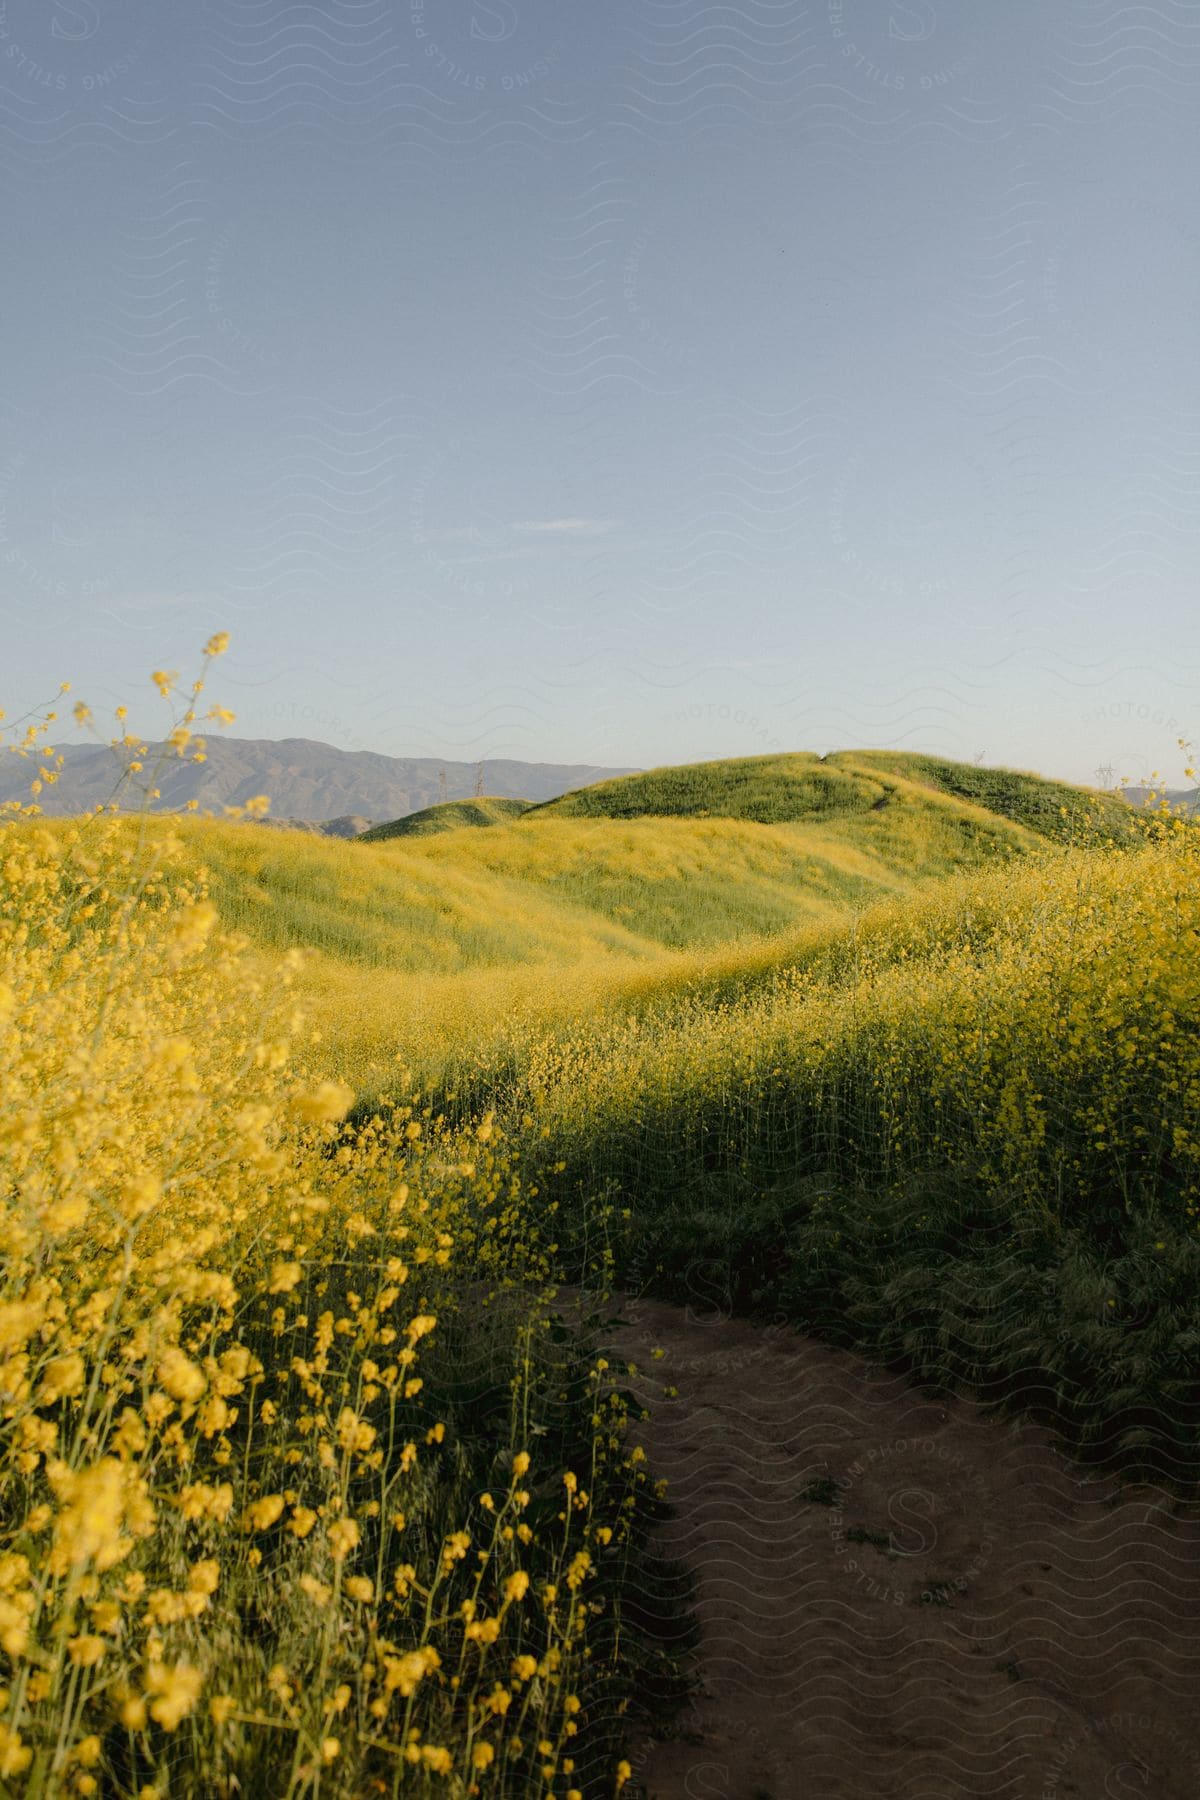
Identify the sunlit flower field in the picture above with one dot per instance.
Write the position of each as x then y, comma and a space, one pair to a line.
306, 1490
286, 1508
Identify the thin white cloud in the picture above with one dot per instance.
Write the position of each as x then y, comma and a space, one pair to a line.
497, 556
566, 527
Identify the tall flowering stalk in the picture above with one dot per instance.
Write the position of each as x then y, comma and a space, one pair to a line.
243, 1548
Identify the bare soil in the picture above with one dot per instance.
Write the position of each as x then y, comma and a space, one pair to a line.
902, 1596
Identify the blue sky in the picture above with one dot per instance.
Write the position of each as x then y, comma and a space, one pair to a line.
622, 384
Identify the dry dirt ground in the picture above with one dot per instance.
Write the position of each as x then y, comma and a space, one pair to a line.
900, 1597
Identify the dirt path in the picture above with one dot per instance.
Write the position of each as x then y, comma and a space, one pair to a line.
900, 1598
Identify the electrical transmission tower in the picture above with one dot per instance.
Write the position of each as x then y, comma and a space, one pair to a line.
478, 781
1104, 775
442, 786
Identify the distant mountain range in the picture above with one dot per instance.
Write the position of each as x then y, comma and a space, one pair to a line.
309, 783
1187, 799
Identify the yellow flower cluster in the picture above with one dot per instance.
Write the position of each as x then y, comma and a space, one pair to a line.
1030, 1028
239, 1532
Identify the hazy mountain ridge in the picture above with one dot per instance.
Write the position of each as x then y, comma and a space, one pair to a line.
1185, 799
347, 825
306, 780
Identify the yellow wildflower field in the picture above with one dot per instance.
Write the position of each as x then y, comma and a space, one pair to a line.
306, 1488
291, 1504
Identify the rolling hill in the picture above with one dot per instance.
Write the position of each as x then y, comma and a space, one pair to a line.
818, 1022
674, 859
433, 941
791, 789
449, 815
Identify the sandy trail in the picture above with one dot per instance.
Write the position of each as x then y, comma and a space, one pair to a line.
899, 1596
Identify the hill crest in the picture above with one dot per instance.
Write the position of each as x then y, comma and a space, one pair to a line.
801, 787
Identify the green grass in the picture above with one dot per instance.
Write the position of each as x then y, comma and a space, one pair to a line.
448, 815
861, 1042
770, 790
678, 860
789, 789
1052, 808
961, 1132
393, 906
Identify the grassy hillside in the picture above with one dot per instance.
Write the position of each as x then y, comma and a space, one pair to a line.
804, 787
813, 1065
1052, 808
437, 948
963, 1130
770, 790
679, 859
448, 815
871, 1049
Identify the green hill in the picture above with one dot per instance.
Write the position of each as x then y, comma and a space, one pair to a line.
821, 1028
802, 787
676, 860
770, 790
1054, 809
448, 815
429, 939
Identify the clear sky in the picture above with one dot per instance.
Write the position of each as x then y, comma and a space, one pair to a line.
625, 383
